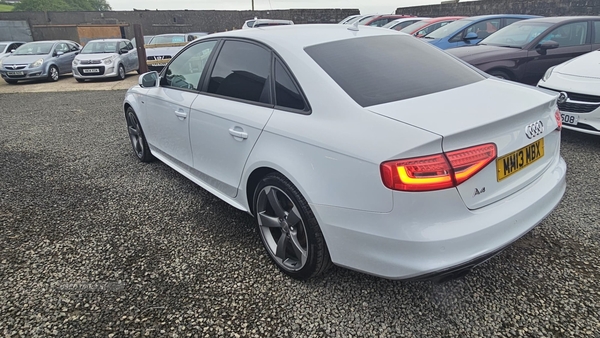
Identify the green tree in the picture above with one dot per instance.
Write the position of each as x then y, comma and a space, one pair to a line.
63, 5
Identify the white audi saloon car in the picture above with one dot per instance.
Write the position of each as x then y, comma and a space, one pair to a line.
405, 163
577, 82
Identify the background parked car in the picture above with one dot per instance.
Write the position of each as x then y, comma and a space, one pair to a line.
524, 52
105, 58
147, 39
39, 60
401, 23
348, 18
577, 84
254, 23
7, 47
161, 48
470, 31
424, 27
381, 20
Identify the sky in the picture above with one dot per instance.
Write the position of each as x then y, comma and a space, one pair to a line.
365, 6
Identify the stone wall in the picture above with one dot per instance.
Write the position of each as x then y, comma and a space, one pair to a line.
180, 21
482, 7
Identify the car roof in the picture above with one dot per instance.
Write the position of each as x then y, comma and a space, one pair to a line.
444, 18
493, 16
559, 19
304, 35
107, 40
408, 18
10, 41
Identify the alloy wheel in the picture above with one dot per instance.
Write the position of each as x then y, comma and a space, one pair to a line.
53, 74
135, 134
282, 228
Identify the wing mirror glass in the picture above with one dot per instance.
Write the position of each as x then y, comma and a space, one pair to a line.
471, 36
148, 80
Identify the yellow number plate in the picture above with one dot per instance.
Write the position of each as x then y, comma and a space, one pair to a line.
515, 161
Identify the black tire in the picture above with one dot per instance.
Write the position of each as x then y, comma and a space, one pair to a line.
290, 225
80, 80
500, 74
9, 81
138, 71
137, 138
121, 73
53, 74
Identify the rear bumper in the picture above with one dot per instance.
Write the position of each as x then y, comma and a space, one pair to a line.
429, 235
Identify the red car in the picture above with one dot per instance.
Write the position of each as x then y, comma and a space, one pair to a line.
381, 20
427, 26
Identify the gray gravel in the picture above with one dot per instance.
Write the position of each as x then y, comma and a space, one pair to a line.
94, 243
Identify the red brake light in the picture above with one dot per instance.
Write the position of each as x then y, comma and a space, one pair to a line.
435, 172
558, 120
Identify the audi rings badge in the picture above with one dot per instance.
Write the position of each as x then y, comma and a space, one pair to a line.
534, 129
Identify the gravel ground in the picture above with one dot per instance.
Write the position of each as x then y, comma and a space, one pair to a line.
94, 243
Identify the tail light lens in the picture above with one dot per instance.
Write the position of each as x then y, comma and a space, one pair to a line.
435, 172
558, 120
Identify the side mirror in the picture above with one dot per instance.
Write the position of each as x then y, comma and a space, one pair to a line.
12, 51
148, 80
123, 51
544, 46
59, 53
470, 36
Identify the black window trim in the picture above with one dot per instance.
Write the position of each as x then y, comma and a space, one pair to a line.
307, 110
208, 64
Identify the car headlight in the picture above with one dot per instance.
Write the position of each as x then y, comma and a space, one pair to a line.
37, 63
548, 74
109, 60
75, 62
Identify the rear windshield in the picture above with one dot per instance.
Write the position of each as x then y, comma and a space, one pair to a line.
381, 69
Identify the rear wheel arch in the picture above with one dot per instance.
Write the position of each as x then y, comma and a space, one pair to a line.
252, 182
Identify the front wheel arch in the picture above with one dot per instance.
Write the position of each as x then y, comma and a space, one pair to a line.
502, 72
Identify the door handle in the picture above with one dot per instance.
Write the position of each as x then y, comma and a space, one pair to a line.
181, 114
238, 133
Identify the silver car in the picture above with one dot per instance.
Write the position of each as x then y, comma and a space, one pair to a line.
7, 47
105, 58
39, 60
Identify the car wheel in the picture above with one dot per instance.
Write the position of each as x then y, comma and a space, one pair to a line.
500, 74
138, 71
136, 135
288, 228
11, 81
121, 73
80, 80
53, 74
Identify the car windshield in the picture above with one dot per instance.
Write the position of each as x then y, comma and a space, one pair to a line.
414, 27
450, 28
97, 47
165, 39
516, 35
35, 48
401, 68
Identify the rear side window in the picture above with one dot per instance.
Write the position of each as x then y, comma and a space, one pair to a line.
242, 72
402, 68
596, 31
287, 93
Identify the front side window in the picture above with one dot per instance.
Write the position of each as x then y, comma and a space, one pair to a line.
572, 34
445, 31
484, 28
402, 68
242, 72
186, 69
517, 35
287, 93
62, 48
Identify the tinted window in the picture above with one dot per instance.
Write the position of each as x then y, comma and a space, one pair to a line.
510, 21
572, 34
242, 71
129, 46
484, 28
597, 31
286, 93
403, 25
448, 29
402, 68
518, 34
186, 69
380, 22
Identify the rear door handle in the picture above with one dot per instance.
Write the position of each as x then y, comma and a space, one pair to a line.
238, 133
181, 114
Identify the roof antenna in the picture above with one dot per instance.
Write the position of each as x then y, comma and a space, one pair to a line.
354, 26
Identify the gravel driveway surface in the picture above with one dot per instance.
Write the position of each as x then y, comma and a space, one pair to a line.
94, 243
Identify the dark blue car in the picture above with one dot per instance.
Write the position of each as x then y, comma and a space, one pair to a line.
470, 31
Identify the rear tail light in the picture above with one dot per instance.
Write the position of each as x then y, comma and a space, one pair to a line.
558, 120
435, 172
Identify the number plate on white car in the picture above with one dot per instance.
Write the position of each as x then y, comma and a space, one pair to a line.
15, 73
91, 70
569, 119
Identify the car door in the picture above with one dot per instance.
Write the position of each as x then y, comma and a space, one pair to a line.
228, 118
168, 105
573, 40
61, 51
132, 57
